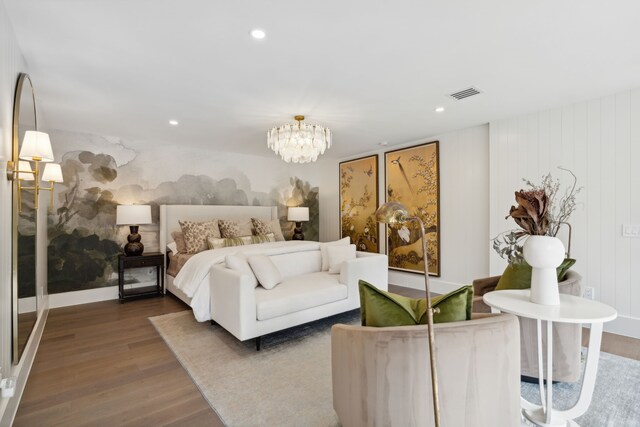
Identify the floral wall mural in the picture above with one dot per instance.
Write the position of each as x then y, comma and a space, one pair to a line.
84, 241
359, 201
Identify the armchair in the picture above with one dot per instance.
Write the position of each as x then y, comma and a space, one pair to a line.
567, 338
381, 376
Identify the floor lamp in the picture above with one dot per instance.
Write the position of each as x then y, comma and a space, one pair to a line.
396, 213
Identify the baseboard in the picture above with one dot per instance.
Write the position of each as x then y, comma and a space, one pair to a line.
623, 325
66, 299
416, 281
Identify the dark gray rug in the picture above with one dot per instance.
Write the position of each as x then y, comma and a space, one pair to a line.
616, 398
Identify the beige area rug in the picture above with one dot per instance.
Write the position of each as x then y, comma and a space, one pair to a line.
287, 383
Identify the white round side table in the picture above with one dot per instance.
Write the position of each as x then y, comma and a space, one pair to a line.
571, 310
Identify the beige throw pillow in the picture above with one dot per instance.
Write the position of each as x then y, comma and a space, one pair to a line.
276, 229
265, 270
238, 262
323, 250
178, 238
338, 254
197, 233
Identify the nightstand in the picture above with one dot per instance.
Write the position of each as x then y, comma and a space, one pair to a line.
153, 259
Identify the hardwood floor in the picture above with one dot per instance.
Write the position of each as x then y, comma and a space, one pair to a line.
104, 364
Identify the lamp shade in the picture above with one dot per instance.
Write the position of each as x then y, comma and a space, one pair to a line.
52, 172
391, 213
36, 146
298, 214
25, 166
133, 214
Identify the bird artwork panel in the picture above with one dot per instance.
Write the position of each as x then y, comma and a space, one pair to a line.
412, 178
359, 201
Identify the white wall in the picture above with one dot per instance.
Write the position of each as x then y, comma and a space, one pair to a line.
11, 64
464, 206
598, 140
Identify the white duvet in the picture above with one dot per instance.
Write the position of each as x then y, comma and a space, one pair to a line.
193, 278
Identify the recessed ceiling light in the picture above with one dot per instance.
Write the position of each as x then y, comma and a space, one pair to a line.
173, 122
258, 34
439, 109
383, 143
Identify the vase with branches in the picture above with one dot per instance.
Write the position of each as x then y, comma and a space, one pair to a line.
542, 210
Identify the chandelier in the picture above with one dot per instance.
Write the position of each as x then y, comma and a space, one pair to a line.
299, 142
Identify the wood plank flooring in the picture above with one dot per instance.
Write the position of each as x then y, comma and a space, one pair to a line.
104, 364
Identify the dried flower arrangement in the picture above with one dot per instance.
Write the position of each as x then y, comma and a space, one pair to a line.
541, 211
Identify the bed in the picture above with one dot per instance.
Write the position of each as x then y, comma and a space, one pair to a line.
171, 214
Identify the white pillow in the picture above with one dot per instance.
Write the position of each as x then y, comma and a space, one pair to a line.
265, 270
338, 254
238, 262
323, 250
173, 247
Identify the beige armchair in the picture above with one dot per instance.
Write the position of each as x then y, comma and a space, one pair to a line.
567, 338
381, 376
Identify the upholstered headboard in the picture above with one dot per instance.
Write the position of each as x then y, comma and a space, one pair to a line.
171, 214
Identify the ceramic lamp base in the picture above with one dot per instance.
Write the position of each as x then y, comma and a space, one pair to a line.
135, 246
297, 232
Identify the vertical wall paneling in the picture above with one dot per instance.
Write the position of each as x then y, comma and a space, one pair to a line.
622, 190
593, 190
634, 202
598, 140
580, 158
607, 208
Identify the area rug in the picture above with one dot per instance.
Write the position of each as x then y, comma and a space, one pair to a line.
616, 398
288, 382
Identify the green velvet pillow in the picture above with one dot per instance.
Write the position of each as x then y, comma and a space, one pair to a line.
379, 308
518, 275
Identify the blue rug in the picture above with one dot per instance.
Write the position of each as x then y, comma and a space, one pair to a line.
616, 398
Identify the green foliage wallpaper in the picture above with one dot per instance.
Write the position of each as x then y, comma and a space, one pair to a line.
84, 241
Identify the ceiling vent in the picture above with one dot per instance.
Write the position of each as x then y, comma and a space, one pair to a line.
465, 93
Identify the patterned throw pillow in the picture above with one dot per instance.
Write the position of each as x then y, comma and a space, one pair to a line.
260, 226
197, 233
228, 228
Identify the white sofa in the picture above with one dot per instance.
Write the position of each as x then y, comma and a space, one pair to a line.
305, 294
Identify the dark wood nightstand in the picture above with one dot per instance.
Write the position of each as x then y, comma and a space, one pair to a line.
153, 259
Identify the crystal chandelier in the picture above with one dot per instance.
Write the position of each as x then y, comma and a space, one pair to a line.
299, 142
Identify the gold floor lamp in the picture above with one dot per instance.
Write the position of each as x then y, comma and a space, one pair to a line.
396, 213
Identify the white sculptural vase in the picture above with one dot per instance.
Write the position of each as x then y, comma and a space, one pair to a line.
544, 254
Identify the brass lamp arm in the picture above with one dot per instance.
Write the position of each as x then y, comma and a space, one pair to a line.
430, 311
13, 171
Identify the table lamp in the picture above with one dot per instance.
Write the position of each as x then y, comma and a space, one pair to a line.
298, 214
133, 216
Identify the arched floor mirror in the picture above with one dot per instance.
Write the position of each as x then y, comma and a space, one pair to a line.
24, 225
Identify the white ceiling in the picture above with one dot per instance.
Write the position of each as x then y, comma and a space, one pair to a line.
371, 70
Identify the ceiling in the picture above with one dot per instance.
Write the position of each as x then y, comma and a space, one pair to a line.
371, 70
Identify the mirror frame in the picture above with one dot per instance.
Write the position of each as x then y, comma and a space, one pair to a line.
23, 79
